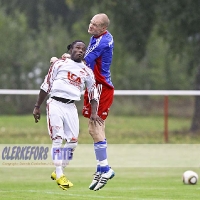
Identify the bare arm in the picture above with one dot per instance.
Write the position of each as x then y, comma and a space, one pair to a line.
36, 111
94, 117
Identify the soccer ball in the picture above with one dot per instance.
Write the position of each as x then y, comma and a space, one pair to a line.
190, 177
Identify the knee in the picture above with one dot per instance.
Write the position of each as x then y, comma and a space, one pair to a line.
72, 144
92, 130
56, 149
57, 142
97, 132
96, 129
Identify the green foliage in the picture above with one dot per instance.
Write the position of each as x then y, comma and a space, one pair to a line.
14, 36
51, 41
25, 55
156, 43
179, 24
133, 22
43, 27
165, 70
24, 51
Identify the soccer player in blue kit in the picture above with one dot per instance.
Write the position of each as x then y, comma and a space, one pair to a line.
98, 57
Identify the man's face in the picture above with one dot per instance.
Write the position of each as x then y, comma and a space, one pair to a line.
78, 52
96, 27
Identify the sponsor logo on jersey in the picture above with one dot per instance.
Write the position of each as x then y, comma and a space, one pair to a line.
74, 79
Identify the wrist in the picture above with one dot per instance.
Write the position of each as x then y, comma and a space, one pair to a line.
37, 106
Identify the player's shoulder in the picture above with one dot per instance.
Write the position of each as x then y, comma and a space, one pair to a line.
59, 61
86, 68
108, 34
66, 61
84, 65
107, 39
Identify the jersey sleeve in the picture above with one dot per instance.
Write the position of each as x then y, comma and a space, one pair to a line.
49, 78
94, 52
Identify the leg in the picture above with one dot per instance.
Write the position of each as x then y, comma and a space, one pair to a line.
69, 149
98, 135
70, 135
103, 172
56, 153
56, 132
55, 129
97, 132
71, 132
100, 146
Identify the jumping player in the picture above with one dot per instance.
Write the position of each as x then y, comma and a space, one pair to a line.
64, 82
98, 57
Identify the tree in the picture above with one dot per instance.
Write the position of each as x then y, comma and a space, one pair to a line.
53, 24
25, 53
37, 9
179, 25
13, 46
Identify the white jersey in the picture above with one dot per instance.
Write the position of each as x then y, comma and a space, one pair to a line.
67, 79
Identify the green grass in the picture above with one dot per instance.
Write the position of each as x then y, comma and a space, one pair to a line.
119, 130
143, 172
129, 183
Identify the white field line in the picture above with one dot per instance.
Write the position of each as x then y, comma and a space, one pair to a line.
63, 193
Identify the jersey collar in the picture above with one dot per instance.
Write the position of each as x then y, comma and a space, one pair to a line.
100, 35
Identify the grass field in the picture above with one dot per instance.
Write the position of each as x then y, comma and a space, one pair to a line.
119, 130
148, 170
129, 183
143, 171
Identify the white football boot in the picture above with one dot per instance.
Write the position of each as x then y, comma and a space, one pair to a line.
95, 180
104, 179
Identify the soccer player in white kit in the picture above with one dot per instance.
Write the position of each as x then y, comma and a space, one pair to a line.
65, 81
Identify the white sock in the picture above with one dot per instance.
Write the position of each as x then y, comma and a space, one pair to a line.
56, 153
59, 172
68, 155
103, 162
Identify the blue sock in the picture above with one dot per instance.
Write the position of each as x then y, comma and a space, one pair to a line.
101, 156
98, 168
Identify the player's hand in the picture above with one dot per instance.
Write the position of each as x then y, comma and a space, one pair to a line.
66, 55
36, 114
96, 119
53, 59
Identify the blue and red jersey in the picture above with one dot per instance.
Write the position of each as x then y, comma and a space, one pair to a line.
98, 57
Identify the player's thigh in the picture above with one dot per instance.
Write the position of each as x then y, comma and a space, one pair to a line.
105, 101
54, 119
71, 122
97, 131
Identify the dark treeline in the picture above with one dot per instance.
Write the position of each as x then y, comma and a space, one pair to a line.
156, 42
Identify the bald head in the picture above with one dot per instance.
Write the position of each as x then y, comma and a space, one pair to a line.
103, 18
98, 24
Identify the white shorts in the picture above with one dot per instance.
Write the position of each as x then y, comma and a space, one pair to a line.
62, 120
